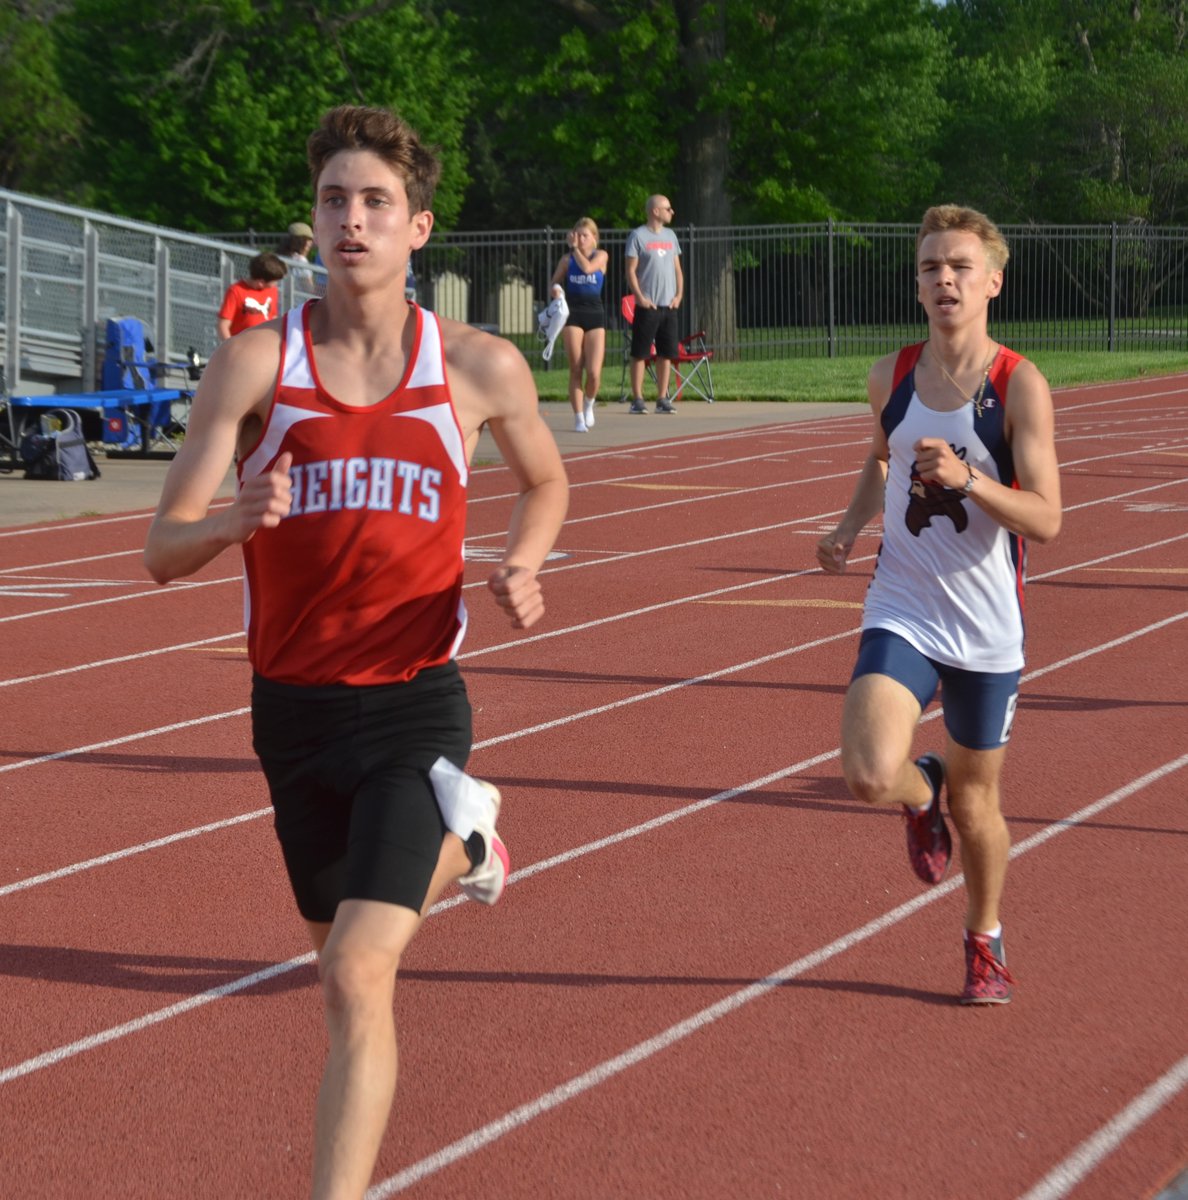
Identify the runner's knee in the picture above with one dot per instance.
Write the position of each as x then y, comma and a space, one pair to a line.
870, 780
975, 812
356, 984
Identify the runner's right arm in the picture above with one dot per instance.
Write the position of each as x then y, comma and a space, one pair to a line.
235, 389
867, 501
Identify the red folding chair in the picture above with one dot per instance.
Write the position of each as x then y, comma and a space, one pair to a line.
692, 367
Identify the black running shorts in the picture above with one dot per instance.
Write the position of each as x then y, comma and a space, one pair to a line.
348, 772
658, 327
586, 317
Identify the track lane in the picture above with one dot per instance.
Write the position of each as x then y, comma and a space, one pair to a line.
532, 757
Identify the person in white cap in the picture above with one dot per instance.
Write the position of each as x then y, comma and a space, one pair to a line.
294, 250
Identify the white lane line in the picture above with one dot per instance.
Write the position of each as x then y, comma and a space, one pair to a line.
596, 623
70, 562
143, 593
54, 1056
619, 453
1090, 1153
597, 562
725, 494
122, 741
42, 530
122, 658
518, 1117
115, 855
645, 1049
21, 885
1122, 640
522, 641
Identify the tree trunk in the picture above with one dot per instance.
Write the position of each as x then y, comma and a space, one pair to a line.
702, 198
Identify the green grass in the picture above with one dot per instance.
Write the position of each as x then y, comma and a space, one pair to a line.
844, 379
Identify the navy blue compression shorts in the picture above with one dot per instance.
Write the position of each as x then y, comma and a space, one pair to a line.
979, 706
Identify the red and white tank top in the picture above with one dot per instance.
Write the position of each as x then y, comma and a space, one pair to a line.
362, 582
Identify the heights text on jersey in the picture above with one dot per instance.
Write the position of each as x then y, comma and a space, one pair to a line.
362, 582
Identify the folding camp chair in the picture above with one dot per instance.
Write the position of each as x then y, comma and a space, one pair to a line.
690, 369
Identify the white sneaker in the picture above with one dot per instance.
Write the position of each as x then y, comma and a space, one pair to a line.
470, 806
485, 882
580, 425
589, 414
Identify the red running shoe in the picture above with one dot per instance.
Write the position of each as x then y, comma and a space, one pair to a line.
930, 846
987, 980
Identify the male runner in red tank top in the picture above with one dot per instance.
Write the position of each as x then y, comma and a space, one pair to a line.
353, 421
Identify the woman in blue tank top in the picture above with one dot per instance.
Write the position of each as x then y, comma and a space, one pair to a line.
582, 273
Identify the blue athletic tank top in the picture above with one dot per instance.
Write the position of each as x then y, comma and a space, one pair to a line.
583, 288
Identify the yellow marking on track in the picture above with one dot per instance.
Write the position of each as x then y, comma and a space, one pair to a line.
789, 603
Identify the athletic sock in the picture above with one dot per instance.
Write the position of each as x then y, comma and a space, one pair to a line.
918, 810
476, 849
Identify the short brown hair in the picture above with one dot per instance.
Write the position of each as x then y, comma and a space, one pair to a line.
944, 217
267, 268
355, 127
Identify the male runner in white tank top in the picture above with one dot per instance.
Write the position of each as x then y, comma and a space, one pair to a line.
963, 468
353, 422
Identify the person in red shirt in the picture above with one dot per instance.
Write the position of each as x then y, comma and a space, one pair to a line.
253, 300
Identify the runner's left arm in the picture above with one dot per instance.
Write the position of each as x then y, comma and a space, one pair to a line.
491, 379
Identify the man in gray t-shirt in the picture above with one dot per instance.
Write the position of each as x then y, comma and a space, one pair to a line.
654, 275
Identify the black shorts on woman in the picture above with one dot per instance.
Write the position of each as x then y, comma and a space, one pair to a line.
585, 316
348, 773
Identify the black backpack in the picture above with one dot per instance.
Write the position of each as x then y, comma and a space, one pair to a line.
58, 453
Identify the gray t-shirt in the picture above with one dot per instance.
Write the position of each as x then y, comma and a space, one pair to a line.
656, 270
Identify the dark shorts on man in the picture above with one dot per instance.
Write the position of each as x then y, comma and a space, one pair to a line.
979, 706
348, 773
658, 327
586, 317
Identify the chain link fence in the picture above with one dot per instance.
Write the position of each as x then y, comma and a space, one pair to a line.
759, 292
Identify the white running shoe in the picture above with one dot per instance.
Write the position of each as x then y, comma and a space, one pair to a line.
580, 424
588, 415
485, 882
470, 805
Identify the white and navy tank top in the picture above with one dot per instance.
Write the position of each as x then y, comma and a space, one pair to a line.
949, 579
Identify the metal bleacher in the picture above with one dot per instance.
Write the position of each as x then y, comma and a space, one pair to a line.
65, 275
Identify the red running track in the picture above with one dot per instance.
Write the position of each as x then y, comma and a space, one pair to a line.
712, 974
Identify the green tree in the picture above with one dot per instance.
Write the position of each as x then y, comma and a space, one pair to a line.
787, 111
837, 109
38, 123
784, 110
197, 114
1070, 110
